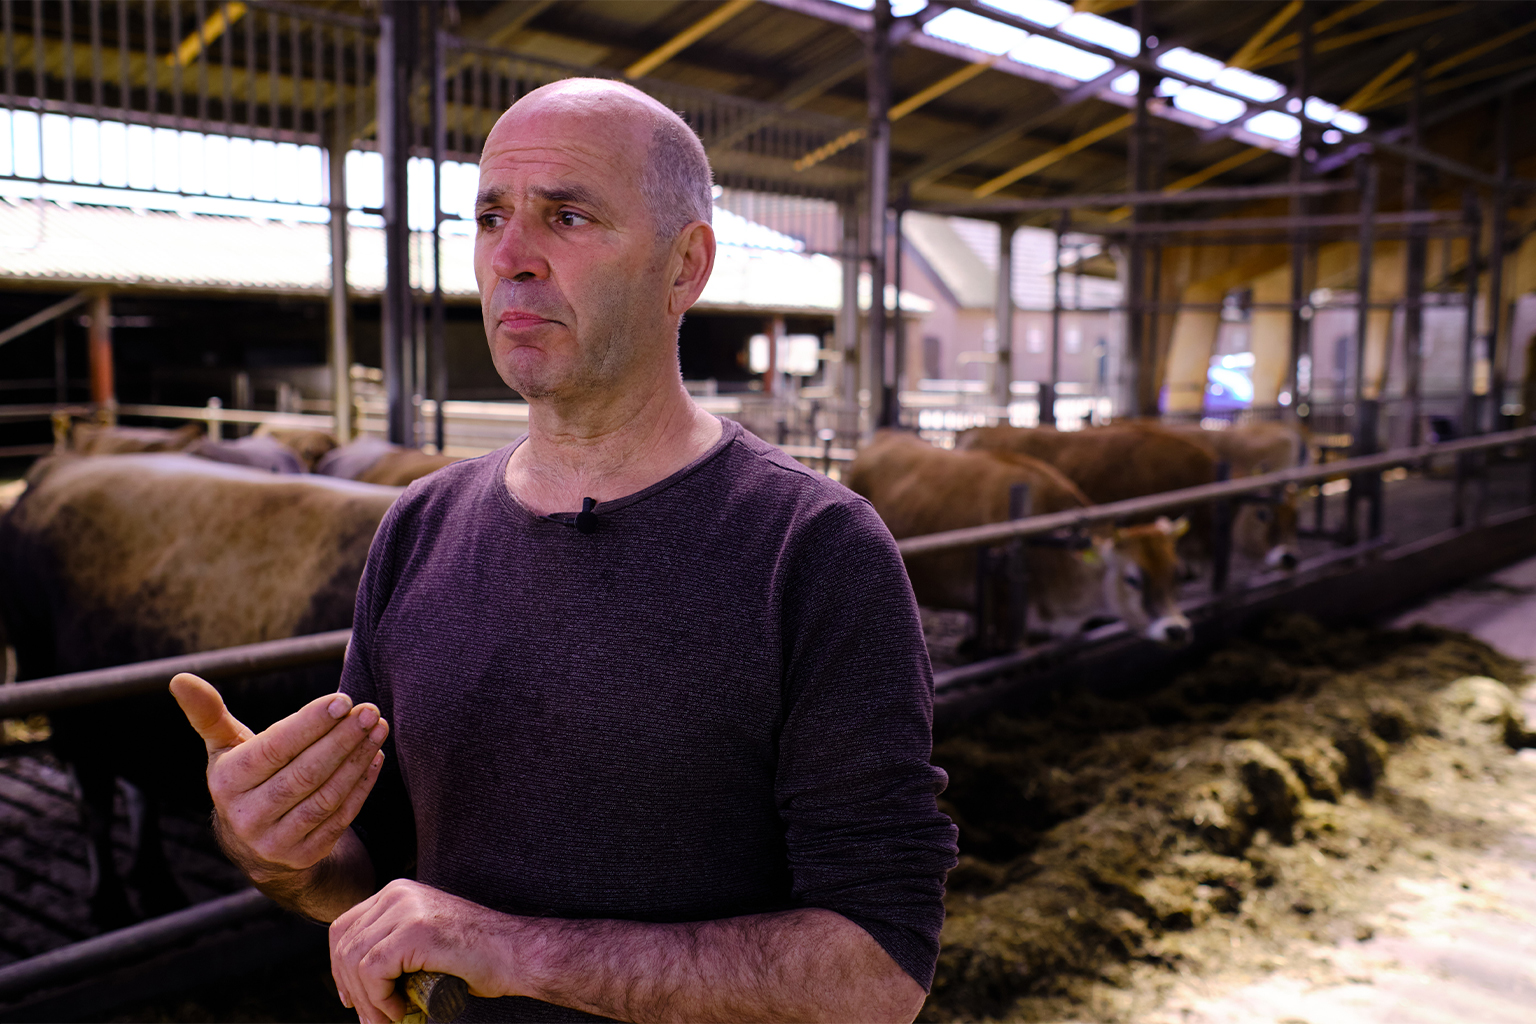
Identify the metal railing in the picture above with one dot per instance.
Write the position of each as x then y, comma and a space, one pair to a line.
79, 688
1088, 515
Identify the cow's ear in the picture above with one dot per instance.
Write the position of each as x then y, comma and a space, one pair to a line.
1180, 527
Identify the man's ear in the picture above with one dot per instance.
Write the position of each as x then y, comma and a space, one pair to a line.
694, 257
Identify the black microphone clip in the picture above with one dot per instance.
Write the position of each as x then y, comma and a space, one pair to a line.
586, 519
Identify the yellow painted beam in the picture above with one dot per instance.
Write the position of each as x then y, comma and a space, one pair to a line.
1054, 156
1331, 43
831, 149
1393, 94
1369, 90
939, 88
1251, 48
899, 111
1291, 40
1472, 53
1200, 177
686, 38
219, 21
1101, 6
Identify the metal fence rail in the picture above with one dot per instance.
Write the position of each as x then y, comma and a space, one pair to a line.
81, 688
78, 688
1033, 526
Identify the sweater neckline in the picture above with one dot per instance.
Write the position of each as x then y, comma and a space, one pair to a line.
730, 431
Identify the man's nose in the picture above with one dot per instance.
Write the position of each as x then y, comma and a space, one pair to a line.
516, 255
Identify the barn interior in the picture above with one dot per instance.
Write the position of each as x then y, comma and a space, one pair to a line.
1311, 213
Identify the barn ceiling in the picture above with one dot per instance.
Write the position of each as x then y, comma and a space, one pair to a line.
1016, 98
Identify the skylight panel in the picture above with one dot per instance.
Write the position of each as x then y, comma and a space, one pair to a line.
1126, 84
1061, 58
1246, 83
1275, 125
976, 32
1188, 62
1320, 110
899, 8
1170, 86
1209, 105
1094, 29
1350, 122
1049, 13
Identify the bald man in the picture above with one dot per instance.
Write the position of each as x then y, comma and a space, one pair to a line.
636, 716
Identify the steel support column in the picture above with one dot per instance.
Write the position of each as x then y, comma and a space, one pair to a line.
1002, 377
1469, 403
340, 348
1367, 403
1417, 259
1300, 208
878, 182
899, 342
103, 377
1496, 240
1137, 343
848, 313
397, 34
1047, 394
438, 328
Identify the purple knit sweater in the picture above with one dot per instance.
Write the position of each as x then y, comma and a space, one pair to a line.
716, 703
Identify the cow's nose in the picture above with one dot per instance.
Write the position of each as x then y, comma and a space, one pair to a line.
1281, 557
1176, 636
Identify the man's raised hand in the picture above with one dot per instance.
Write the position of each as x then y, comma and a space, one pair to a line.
284, 796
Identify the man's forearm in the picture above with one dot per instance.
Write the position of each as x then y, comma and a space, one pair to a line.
325, 891
798, 965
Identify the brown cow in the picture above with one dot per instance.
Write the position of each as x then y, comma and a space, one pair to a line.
918, 489
1132, 460
89, 438
373, 460
106, 561
1252, 449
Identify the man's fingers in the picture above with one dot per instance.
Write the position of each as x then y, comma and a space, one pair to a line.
284, 740
205, 709
331, 809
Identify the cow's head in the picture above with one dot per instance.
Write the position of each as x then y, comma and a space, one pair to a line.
1140, 569
1267, 530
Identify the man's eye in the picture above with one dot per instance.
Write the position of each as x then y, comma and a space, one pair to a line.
571, 219
489, 221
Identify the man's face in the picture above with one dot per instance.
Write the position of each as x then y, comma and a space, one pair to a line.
572, 279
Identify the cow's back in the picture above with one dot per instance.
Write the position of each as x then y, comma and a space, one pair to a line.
106, 561
1111, 463
918, 489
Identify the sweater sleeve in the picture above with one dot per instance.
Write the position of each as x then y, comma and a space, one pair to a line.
854, 784
385, 825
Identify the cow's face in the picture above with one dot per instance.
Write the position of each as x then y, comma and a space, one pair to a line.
1140, 567
1268, 531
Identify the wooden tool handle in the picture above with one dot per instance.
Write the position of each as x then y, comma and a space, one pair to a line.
435, 996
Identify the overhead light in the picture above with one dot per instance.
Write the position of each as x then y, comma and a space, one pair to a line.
1189, 63
1048, 13
1094, 29
1061, 58
1275, 125
976, 32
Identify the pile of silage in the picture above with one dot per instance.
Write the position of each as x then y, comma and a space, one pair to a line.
1102, 836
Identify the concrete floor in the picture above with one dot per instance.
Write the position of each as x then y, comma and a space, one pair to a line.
1457, 953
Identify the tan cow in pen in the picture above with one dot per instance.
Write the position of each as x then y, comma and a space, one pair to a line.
918, 489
